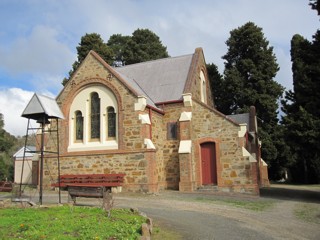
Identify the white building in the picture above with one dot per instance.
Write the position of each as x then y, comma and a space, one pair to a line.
30, 166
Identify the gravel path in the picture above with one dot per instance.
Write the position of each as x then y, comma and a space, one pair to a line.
202, 220
208, 216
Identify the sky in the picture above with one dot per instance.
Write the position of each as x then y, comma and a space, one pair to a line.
38, 38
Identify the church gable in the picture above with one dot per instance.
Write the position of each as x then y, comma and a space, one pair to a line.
97, 103
198, 83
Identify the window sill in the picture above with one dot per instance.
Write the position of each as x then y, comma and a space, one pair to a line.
93, 146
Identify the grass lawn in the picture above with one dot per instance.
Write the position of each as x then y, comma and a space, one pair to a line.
66, 222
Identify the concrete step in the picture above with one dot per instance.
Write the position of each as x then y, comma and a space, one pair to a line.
208, 188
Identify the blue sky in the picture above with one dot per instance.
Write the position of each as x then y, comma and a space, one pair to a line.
38, 38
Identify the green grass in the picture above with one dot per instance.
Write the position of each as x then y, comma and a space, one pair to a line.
67, 222
308, 212
254, 205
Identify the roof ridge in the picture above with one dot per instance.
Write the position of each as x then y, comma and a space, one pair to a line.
155, 60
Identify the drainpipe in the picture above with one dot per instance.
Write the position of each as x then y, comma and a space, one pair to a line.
150, 116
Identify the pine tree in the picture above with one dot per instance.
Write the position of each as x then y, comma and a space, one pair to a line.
143, 45
146, 46
249, 73
215, 79
301, 106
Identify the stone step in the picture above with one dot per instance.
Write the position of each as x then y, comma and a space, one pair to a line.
208, 188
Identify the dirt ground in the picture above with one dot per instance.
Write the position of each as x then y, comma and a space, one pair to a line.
208, 216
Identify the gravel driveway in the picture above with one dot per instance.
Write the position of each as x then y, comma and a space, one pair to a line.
194, 219
208, 216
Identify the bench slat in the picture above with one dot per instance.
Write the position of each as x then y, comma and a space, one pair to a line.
106, 180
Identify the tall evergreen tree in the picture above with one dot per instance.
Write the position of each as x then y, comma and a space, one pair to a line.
146, 46
143, 45
301, 106
119, 46
215, 79
250, 68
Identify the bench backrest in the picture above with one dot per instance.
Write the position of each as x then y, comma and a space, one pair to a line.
116, 178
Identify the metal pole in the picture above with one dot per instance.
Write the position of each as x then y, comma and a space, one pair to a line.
58, 149
41, 166
24, 155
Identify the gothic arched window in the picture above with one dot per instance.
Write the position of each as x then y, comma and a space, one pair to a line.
203, 88
111, 122
79, 125
95, 115
93, 124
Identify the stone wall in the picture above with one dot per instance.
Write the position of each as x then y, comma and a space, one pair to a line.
235, 171
171, 146
132, 156
136, 166
92, 72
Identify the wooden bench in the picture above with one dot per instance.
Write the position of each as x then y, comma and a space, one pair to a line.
6, 186
89, 185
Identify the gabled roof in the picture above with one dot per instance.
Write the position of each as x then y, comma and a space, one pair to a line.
160, 80
131, 84
28, 153
42, 106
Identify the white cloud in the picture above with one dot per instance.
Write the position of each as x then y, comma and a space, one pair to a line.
12, 103
40, 42
39, 54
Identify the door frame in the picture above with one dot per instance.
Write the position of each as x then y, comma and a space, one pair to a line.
208, 158
198, 160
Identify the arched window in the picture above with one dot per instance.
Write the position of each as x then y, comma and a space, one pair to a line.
95, 116
78, 126
111, 122
203, 88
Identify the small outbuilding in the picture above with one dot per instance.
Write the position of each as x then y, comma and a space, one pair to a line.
30, 166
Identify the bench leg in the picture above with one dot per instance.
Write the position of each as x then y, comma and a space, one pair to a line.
71, 198
108, 201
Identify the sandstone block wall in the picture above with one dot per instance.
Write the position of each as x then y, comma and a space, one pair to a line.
135, 165
170, 146
235, 172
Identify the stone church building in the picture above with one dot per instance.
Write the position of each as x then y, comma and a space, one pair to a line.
157, 123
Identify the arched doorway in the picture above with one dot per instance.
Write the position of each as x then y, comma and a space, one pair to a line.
208, 163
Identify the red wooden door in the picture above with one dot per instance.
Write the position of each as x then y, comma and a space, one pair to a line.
208, 162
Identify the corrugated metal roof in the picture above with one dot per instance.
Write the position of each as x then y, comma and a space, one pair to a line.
40, 106
160, 80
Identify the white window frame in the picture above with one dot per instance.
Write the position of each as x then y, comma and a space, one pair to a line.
81, 102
